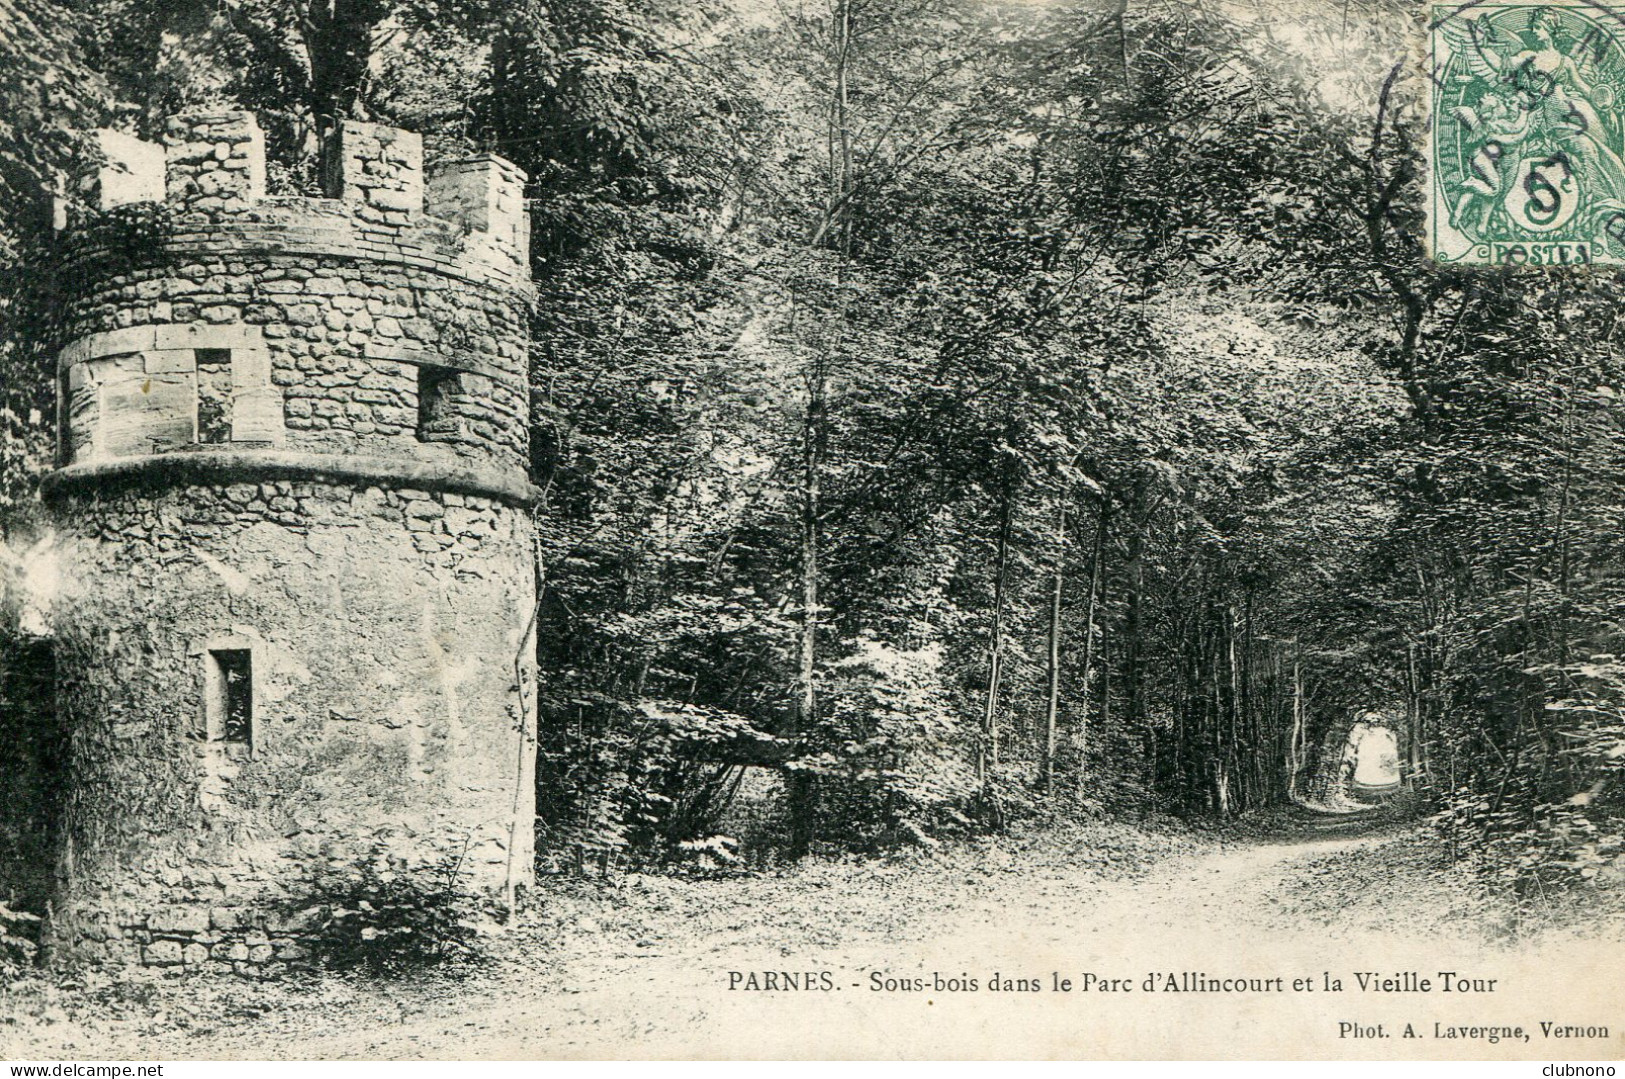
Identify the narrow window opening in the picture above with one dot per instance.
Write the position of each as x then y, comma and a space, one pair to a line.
231, 704
213, 395
436, 419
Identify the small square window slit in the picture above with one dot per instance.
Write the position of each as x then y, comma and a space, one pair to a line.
214, 393
231, 697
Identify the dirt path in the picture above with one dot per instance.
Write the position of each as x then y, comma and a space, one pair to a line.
661, 967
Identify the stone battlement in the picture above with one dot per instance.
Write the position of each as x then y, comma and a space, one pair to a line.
386, 322
463, 216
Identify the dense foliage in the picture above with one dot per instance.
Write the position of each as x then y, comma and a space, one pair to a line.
954, 408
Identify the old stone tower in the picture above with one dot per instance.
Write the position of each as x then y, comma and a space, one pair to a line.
296, 567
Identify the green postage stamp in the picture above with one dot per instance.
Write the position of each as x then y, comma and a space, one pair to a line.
1527, 148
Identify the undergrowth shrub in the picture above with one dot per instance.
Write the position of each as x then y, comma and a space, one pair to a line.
642, 785
385, 921
890, 767
19, 942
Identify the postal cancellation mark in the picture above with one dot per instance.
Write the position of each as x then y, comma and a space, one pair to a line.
1527, 152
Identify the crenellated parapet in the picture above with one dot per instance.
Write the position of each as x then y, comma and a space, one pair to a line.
385, 321
465, 216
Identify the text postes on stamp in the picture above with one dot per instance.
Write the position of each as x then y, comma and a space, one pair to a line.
1527, 150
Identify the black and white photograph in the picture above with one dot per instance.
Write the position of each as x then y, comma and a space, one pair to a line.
559, 530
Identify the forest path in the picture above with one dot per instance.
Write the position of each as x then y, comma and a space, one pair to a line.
644, 966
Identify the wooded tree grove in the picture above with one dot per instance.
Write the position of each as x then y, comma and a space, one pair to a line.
951, 410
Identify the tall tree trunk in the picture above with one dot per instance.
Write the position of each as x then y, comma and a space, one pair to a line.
522, 826
1238, 717
1135, 717
1222, 745
1295, 745
338, 39
1052, 703
1413, 710
1097, 557
802, 793
843, 127
1103, 656
988, 758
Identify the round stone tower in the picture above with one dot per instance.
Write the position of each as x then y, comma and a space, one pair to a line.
297, 573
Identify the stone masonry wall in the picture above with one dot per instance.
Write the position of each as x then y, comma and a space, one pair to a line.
215, 162
353, 295
346, 340
384, 627
296, 565
31, 752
